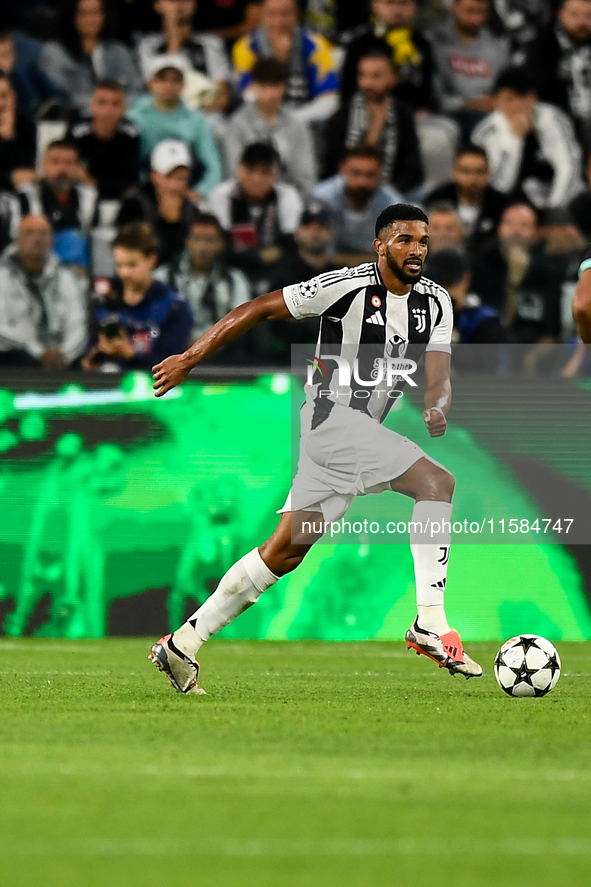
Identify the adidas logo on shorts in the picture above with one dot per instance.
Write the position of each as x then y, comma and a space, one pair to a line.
376, 319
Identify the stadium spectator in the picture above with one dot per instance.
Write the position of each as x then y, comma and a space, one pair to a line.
559, 62
84, 53
59, 194
42, 304
207, 283
18, 140
165, 201
521, 21
474, 322
140, 321
580, 206
514, 276
10, 214
259, 213
202, 53
356, 197
266, 120
374, 117
479, 206
108, 144
228, 19
312, 85
162, 115
445, 228
335, 17
531, 146
468, 57
313, 249
391, 31
19, 58
312, 255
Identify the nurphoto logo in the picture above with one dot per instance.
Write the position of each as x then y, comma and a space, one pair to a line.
388, 370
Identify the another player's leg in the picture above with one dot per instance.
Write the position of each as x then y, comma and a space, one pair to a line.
238, 590
432, 488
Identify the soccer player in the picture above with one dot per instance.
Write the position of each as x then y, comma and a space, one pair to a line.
373, 311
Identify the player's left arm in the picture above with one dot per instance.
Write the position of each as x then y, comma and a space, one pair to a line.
438, 393
172, 370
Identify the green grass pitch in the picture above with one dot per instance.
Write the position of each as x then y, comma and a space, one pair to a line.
306, 764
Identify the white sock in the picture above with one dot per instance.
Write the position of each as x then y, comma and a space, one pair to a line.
239, 589
430, 552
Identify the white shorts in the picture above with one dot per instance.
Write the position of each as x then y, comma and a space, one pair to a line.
348, 455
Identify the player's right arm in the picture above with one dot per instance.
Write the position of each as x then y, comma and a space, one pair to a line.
582, 304
172, 370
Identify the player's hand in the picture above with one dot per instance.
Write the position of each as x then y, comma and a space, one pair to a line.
436, 422
168, 374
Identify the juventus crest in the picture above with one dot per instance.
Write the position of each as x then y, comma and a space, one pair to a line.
420, 316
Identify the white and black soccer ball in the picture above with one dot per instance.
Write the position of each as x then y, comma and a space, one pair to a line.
527, 665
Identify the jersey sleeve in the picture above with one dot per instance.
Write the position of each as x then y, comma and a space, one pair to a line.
313, 297
443, 324
586, 263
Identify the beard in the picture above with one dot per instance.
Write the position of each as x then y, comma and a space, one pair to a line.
404, 275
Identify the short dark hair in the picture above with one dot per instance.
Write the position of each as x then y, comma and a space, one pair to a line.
446, 267
139, 236
517, 79
259, 154
109, 83
468, 148
269, 70
400, 212
376, 52
366, 152
63, 144
208, 219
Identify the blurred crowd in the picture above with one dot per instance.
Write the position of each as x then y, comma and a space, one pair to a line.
162, 162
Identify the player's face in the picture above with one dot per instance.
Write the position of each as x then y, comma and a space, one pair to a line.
404, 246
134, 268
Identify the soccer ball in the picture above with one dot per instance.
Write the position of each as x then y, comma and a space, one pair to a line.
527, 665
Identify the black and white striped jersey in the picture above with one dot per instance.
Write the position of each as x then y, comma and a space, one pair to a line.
364, 324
